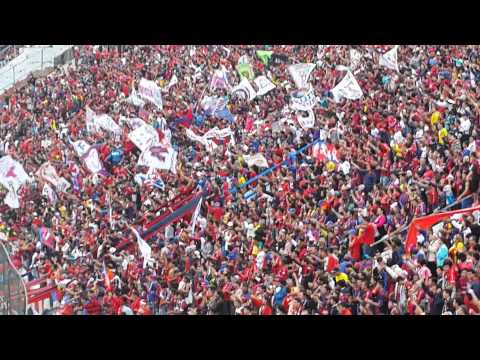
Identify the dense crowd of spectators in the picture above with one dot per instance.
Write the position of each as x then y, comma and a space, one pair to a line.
308, 241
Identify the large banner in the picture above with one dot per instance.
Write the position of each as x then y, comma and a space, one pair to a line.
303, 100
264, 85
389, 59
300, 74
347, 88
144, 136
151, 92
206, 139
244, 90
12, 177
135, 100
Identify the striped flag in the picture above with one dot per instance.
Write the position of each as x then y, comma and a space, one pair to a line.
195, 215
46, 237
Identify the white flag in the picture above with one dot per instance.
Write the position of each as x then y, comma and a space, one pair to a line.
172, 82
144, 137
148, 90
308, 121
195, 216
355, 57
105, 122
389, 59
347, 88
90, 114
303, 100
264, 85
81, 147
92, 160
244, 90
145, 249
47, 172
49, 194
300, 74
134, 99
134, 123
12, 177
158, 157
257, 159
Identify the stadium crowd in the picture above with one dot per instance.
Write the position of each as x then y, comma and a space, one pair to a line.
302, 239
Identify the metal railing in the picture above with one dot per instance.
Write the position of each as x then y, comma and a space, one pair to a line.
13, 292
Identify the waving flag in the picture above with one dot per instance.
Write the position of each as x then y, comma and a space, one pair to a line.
300, 74
389, 59
151, 92
212, 104
47, 172
144, 136
105, 122
158, 157
49, 194
264, 85
264, 56
92, 161
323, 152
355, 58
195, 216
46, 237
220, 80
225, 114
347, 88
145, 249
150, 180
134, 99
257, 159
245, 71
244, 90
307, 122
12, 177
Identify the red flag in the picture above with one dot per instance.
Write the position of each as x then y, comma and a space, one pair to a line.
426, 222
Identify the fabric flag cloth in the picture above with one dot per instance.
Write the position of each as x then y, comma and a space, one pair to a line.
245, 71
324, 152
220, 80
47, 172
181, 209
12, 177
134, 99
389, 59
303, 100
90, 114
145, 249
92, 161
46, 237
49, 193
225, 114
159, 157
150, 180
150, 91
105, 122
307, 122
355, 58
300, 74
347, 88
144, 136
133, 123
211, 104
264, 56
173, 81
263, 84
80, 146
426, 222
244, 90
206, 139
257, 159
195, 216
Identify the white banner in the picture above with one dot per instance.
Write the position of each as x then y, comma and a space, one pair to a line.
159, 157
244, 90
173, 81
12, 177
144, 137
214, 133
134, 123
264, 85
92, 160
347, 88
308, 121
303, 100
389, 59
148, 90
210, 104
257, 159
105, 122
47, 172
300, 74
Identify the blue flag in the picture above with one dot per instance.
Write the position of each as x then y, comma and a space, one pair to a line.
225, 114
